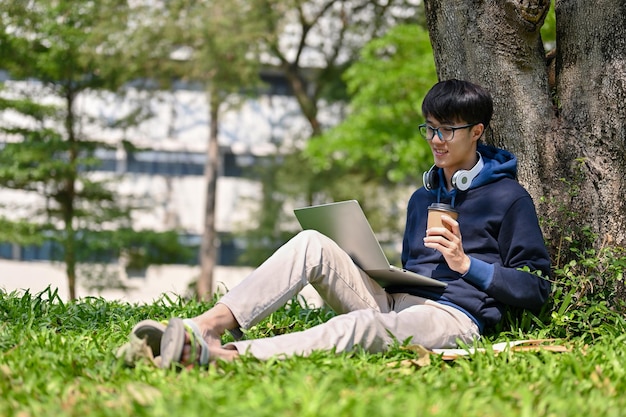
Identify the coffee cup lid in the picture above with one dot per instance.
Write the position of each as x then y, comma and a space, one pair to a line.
441, 206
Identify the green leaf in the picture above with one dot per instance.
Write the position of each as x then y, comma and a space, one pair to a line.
387, 84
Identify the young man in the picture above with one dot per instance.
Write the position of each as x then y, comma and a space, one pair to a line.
484, 258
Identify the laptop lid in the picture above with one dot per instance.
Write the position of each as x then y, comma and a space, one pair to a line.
345, 223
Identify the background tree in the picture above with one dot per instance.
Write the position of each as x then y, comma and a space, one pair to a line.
562, 116
312, 43
378, 139
386, 85
211, 43
62, 51
222, 57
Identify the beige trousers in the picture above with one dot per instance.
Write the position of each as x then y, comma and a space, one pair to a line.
368, 317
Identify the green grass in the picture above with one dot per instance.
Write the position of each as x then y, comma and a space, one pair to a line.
57, 359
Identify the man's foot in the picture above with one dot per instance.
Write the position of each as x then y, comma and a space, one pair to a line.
151, 331
179, 335
199, 340
144, 343
184, 344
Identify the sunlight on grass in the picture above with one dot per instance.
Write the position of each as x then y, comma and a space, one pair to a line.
58, 359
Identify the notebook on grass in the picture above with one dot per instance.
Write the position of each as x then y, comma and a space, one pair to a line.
346, 224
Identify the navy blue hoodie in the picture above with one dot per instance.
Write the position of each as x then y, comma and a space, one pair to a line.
500, 233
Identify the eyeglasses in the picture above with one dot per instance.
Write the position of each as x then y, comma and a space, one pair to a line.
445, 133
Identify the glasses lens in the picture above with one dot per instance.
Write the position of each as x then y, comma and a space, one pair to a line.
447, 133
426, 132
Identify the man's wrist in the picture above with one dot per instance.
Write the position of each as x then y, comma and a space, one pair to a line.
465, 267
480, 273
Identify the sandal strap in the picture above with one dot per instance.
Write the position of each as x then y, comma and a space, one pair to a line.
197, 339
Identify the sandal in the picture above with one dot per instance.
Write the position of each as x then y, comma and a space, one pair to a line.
144, 343
173, 343
151, 331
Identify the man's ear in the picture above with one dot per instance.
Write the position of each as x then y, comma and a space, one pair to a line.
477, 131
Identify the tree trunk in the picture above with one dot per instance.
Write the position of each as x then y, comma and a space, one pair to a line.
566, 127
67, 199
308, 105
208, 252
588, 148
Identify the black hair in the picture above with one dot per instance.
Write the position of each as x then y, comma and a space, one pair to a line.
455, 100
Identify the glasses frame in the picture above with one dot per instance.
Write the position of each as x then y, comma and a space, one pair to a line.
438, 132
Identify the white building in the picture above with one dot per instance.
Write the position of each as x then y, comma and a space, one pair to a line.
168, 178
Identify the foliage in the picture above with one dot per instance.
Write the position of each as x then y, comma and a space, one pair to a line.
587, 278
58, 359
587, 299
548, 30
210, 43
374, 147
58, 53
20, 232
71, 44
313, 42
387, 86
589, 291
213, 44
290, 181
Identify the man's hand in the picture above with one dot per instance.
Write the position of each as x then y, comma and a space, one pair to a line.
447, 240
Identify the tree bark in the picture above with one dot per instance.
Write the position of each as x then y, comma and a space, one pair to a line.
588, 148
67, 199
566, 127
208, 250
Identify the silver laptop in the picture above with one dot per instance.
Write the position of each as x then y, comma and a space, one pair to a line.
346, 224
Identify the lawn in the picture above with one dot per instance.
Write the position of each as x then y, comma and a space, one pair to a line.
58, 359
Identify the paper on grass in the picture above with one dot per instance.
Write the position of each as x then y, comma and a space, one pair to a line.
514, 345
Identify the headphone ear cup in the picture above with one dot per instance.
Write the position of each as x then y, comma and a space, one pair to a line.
431, 178
461, 180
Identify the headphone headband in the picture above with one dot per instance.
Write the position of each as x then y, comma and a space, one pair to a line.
461, 180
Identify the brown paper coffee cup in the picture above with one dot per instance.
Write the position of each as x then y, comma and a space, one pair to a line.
435, 211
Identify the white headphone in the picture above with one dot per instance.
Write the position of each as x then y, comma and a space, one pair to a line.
461, 180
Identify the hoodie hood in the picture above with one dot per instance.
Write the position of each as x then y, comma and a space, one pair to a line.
498, 164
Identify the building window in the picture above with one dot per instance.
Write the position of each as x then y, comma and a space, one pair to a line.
6, 251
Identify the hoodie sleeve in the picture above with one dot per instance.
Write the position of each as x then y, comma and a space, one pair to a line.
521, 280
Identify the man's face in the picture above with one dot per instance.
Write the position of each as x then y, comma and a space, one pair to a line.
454, 148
